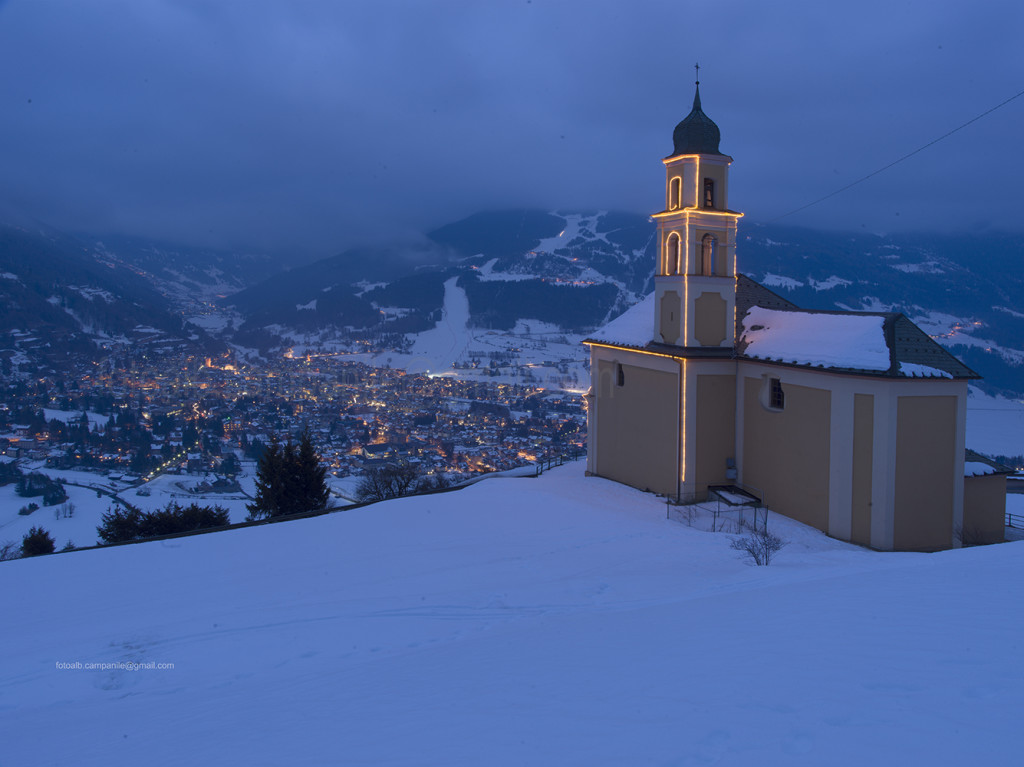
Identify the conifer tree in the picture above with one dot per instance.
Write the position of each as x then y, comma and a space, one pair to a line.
37, 541
269, 480
311, 492
289, 481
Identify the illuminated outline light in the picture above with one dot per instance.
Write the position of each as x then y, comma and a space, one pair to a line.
677, 182
694, 209
620, 347
696, 184
682, 373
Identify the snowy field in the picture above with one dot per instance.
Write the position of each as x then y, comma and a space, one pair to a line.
994, 426
553, 621
88, 506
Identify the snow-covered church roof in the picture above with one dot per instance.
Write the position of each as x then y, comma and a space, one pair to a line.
816, 339
634, 327
772, 329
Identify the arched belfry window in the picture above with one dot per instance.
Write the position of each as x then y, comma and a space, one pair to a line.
709, 193
672, 249
675, 188
708, 245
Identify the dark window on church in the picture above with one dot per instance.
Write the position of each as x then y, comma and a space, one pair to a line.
708, 245
709, 193
620, 377
776, 397
674, 189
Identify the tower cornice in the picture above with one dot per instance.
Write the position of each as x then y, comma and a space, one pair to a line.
715, 158
695, 211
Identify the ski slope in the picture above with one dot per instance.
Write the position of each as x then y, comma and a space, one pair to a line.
553, 621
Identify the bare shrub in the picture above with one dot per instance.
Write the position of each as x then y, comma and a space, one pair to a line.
10, 550
390, 481
759, 546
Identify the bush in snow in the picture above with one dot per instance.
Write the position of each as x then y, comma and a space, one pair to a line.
9, 550
181, 519
131, 524
391, 481
120, 524
759, 546
37, 541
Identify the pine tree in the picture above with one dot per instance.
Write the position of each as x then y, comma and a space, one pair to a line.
311, 493
289, 481
269, 481
37, 541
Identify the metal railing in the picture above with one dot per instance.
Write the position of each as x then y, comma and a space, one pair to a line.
549, 463
712, 514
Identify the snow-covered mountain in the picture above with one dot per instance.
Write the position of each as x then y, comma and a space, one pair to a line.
571, 270
501, 292
186, 276
550, 621
58, 298
507, 295
568, 273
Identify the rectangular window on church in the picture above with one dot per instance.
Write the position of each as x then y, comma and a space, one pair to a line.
620, 376
776, 397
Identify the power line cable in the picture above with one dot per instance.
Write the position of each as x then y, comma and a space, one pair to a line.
896, 162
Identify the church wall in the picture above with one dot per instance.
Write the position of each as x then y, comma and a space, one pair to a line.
716, 429
709, 319
786, 452
926, 468
984, 509
863, 443
863, 449
637, 422
669, 316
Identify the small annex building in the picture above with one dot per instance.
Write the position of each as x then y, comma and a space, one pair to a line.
851, 422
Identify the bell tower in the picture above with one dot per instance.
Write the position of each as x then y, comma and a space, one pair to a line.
695, 281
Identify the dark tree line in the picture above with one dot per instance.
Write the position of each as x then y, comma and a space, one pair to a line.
132, 524
289, 480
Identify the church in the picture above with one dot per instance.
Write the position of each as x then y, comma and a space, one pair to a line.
851, 422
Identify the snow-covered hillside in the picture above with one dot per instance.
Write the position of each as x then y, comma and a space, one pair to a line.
551, 621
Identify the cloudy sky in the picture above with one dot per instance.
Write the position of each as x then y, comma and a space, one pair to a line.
308, 126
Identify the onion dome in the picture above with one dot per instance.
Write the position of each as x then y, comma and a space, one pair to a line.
697, 133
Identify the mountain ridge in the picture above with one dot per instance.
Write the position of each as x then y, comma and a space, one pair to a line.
566, 272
